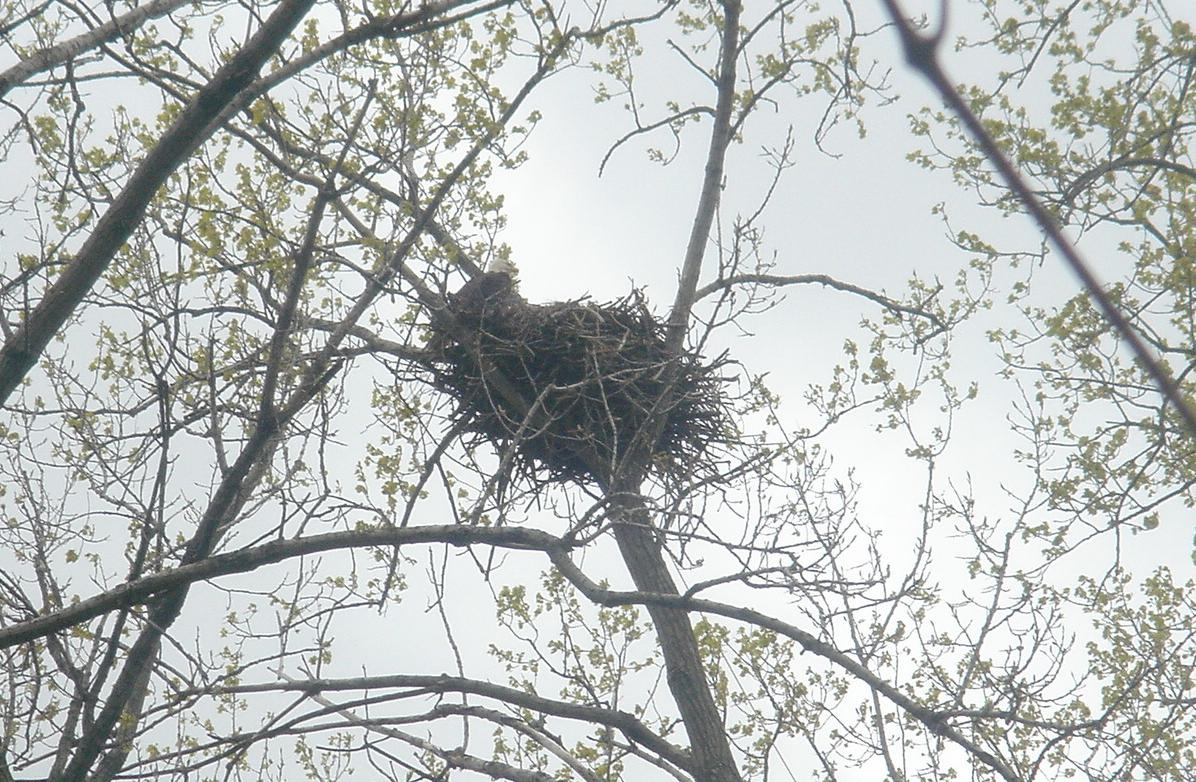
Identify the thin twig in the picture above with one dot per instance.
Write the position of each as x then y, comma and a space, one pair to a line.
778, 280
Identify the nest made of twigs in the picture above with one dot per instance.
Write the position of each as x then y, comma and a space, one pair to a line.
594, 376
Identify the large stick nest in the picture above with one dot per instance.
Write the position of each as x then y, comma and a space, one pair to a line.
594, 376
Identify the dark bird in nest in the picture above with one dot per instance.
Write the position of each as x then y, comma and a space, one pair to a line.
491, 292
487, 297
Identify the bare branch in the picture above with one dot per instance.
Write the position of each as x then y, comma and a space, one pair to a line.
644, 129
625, 723
712, 181
930, 718
45, 59
142, 590
777, 280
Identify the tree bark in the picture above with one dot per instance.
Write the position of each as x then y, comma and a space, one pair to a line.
685, 673
633, 528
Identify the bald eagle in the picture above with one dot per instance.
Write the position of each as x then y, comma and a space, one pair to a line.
493, 292
483, 302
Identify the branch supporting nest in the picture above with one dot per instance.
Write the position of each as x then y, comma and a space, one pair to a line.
597, 373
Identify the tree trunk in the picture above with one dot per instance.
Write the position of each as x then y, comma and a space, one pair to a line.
683, 665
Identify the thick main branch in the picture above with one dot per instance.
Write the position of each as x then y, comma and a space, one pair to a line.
633, 528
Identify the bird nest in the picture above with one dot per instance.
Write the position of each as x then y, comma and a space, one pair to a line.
593, 377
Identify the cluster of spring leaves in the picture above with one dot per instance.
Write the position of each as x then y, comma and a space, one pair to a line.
1093, 102
1098, 113
110, 458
